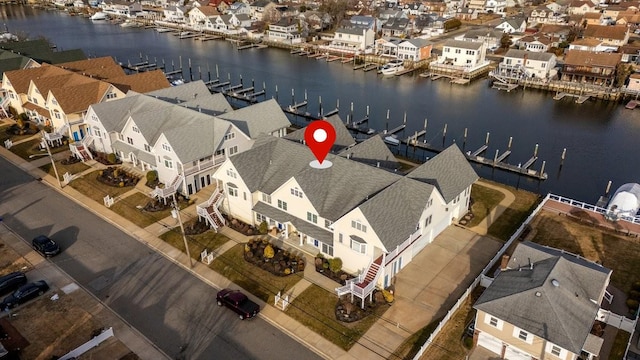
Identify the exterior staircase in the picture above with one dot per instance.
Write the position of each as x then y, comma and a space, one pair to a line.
167, 191
363, 285
81, 148
209, 210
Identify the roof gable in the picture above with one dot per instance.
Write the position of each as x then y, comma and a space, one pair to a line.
262, 118
344, 138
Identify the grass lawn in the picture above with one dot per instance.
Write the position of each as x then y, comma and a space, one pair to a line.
449, 342
209, 240
507, 223
315, 309
255, 280
4, 136
31, 148
617, 253
619, 345
484, 200
128, 208
91, 187
62, 169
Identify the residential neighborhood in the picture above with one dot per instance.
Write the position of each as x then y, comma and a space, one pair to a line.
373, 254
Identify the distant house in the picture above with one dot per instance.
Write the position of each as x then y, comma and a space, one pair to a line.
556, 31
612, 35
529, 64
238, 8
586, 45
543, 304
630, 53
590, 67
414, 49
634, 82
537, 43
491, 38
202, 17
352, 39
261, 7
544, 15
174, 14
396, 28
592, 18
467, 14
580, 7
513, 25
362, 21
287, 30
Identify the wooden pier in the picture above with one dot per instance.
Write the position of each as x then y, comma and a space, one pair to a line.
482, 149
370, 67
396, 129
405, 71
580, 98
632, 104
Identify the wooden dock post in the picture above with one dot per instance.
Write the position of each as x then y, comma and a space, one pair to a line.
464, 139
495, 158
486, 140
276, 92
542, 169
562, 157
606, 192
444, 134
293, 97
241, 84
319, 106
386, 124
510, 141
208, 73
350, 113
305, 94
217, 73
190, 72
535, 151
199, 72
404, 122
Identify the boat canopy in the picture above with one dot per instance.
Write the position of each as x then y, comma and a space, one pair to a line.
624, 203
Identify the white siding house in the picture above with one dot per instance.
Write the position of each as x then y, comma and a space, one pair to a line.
533, 64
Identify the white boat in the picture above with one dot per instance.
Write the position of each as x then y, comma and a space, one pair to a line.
392, 140
392, 67
99, 16
129, 23
184, 33
163, 30
625, 203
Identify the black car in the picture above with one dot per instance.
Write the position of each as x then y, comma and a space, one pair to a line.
45, 246
24, 294
11, 282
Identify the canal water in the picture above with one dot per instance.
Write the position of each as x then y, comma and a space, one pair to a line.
601, 138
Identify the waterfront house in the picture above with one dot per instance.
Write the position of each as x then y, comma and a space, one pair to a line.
544, 15
610, 35
396, 28
597, 68
372, 219
580, 7
229, 23
202, 17
363, 21
463, 55
387, 46
415, 49
352, 40
518, 64
513, 25
634, 83
287, 30
174, 14
542, 304
536, 43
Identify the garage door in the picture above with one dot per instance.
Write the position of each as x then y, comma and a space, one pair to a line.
439, 227
515, 354
422, 242
489, 342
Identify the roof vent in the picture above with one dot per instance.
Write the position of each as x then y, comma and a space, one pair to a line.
538, 294
555, 282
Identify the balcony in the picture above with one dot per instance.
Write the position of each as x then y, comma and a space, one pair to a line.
201, 165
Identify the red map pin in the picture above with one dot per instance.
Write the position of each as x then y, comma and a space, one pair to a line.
320, 136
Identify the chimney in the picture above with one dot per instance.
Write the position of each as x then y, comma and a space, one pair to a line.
504, 262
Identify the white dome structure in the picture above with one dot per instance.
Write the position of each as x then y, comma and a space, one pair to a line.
624, 203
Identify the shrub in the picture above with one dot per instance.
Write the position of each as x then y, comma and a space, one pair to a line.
111, 158
634, 294
121, 184
152, 176
263, 227
24, 117
452, 24
20, 122
287, 271
632, 304
468, 342
247, 248
388, 296
116, 173
636, 286
268, 252
335, 265
325, 265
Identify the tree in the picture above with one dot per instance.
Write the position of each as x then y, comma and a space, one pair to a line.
335, 265
336, 9
263, 227
452, 24
505, 41
622, 73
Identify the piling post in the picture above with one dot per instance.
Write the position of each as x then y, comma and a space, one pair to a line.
367, 111
404, 122
495, 158
199, 72
208, 73
444, 134
562, 157
163, 65
535, 151
173, 66
253, 84
464, 139
305, 94
217, 73
542, 170
606, 192
190, 72
486, 140
350, 113
510, 141
320, 106
293, 97
264, 86
241, 84
276, 92
386, 125
180, 62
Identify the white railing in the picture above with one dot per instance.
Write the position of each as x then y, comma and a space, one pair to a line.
214, 201
590, 207
169, 190
477, 280
52, 136
619, 321
351, 285
204, 165
402, 247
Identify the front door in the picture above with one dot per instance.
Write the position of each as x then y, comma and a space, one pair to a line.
81, 133
76, 137
202, 181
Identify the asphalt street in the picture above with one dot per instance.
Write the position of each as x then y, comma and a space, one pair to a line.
171, 307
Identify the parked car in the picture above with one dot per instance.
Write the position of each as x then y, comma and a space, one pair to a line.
45, 246
12, 282
238, 302
24, 294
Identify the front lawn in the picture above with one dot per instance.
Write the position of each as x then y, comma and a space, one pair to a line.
484, 200
315, 309
513, 216
32, 147
62, 169
618, 253
91, 187
131, 209
260, 283
209, 240
619, 345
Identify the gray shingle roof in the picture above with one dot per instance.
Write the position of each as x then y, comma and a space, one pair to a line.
525, 295
520, 54
343, 136
372, 151
114, 114
449, 171
419, 43
185, 92
262, 118
333, 192
470, 45
395, 212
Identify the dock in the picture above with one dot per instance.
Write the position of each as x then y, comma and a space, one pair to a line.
405, 71
502, 157
631, 104
370, 67
482, 149
504, 86
346, 60
358, 67
580, 98
396, 129
529, 162
360, 122
332, 58
209, 37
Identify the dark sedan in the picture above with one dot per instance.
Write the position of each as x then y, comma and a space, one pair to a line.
45, 246
11, 282
24, 294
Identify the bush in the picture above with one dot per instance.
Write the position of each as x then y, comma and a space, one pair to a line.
452, 24
152, 176
335, 264
468, 342
636, 286
634, 294
111, 158
263, 227
632, 304
268, 252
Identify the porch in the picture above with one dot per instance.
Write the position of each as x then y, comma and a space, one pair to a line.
128, 153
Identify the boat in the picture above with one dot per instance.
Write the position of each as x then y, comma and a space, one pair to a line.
392, 67
632, 104
99, 16
625, 203
184, 33
392, 140
129, 23
163, 30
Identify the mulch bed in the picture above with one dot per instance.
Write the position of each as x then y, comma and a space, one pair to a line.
322, 266
282, 263
349, 312
116, 177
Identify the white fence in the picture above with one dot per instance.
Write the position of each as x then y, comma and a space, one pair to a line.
585, 206
477, 280
206, 257
285, 301
619, 321
88, 345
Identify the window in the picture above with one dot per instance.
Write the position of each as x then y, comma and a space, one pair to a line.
166, 147
244, 195
233, 150
57, 115
296, 192
358, 246
168, 164
233, 191
54, 102
543, 65
111, 96
260, 218
282, 205
147, 148
429, 203
458, 51
356, 224
129, 140
312, 217
135, 129
340, 238
556, 350
230, 135
508, 61
327, 249
493, 322
231, 174
427, 221
522, 335
266, 198
328, 223
219, 152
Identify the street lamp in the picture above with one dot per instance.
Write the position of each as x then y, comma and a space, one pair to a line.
53, 163
175, 213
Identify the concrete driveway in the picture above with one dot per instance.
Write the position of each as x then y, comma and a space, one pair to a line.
427, 287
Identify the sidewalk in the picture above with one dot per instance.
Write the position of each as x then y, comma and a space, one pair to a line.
149, 237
